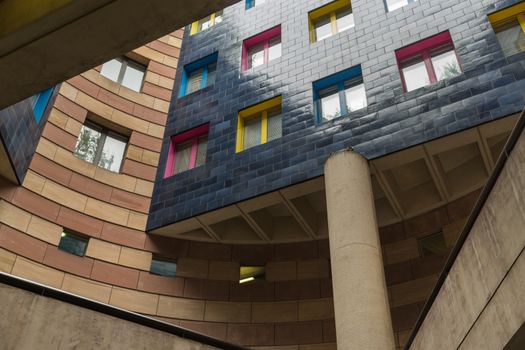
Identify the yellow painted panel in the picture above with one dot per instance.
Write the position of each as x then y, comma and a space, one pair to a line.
328, 8
507, 13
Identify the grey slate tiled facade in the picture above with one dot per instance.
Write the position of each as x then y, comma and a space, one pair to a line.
18, 128
491, 86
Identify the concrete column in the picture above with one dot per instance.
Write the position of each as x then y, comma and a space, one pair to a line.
362, 313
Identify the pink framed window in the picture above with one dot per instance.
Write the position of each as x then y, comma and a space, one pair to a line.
187, 150
261, 48
428, 61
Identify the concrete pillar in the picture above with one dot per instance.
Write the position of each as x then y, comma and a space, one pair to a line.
362, 313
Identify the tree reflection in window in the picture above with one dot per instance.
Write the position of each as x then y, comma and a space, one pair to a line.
100, 146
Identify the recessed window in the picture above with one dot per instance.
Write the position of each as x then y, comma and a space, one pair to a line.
251, 274
330, 19
187, 150
432, 245
39, 103
428, 61
73, 244
125, 72
163, 267
206, 23
262, 48
259, 124
198, 75
509, 25
339, 94
253, 3
392, 5
100, 146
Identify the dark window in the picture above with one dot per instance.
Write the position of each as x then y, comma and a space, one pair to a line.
163, 267
73, 244
432, 244
100, 146
252, 273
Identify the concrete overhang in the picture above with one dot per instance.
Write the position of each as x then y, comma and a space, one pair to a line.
45, 42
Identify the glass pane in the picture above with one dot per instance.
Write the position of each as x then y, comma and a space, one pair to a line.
133, 77
201, 151
72, 244
182, 157
194, 81
416, 76
256, 55
87, 144
112, 154
218, 17
275, 48
323, 28
395, 4
252, 132
355, 97
330, 106
212, 70
511, 38
258, 2
204, 23
446, 65
163, 267
345, 20
433, 244
111, 69
275, 123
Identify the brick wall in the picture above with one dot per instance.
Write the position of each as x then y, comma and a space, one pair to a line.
490, 87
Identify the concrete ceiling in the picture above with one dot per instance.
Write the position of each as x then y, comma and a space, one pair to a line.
405, 184
45, 42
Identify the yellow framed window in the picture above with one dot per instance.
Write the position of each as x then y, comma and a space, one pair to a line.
259, 124
509, 26
330, 19
206, 22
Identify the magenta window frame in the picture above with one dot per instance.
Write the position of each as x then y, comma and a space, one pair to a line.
193, 134
263, 37
423, 48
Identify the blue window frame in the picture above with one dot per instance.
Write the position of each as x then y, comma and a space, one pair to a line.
39, 103
253, 3
339, 94
198, 75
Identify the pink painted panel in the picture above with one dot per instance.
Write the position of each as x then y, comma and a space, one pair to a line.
256, 39
424, 45
175, 140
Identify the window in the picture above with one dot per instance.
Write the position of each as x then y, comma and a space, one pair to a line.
187, 150
253, 3
73, 244
163, 267
252, 273
339, 94
262, 48
428, 61
330, 19
39, 103
206, 22
432, 245
125, 72
198, 75
100, 146
259, 124
509, 25
392, 5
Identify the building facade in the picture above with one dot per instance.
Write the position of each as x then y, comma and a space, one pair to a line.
214, 178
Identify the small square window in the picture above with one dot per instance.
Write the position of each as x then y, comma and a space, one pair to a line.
253, 3
206, 23
259, 124
187, 150
428, 61
73, 244
509, 26
101, 147
432, 245
250, 274
330, 19
392, 5
339, 94
163, 267
198, 75
261, 48
125, 72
